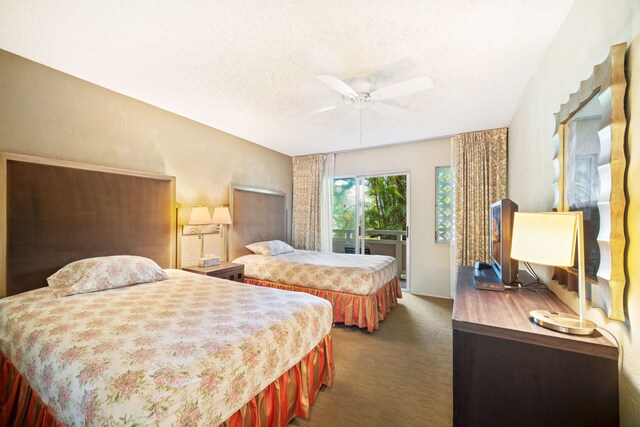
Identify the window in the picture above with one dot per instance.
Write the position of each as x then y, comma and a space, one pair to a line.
444, 204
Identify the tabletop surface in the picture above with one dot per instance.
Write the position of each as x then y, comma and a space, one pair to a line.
506, 315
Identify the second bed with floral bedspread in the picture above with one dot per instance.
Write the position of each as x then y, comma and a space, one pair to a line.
361, 288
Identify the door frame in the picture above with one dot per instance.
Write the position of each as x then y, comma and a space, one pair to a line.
407, 173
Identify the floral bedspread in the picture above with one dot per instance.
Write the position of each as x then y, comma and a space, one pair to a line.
186, 351
354, 274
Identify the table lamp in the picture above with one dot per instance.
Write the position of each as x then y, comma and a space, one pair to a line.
200, 216
221, 216
551, 238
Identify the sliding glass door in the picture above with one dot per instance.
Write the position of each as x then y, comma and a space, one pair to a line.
370, 217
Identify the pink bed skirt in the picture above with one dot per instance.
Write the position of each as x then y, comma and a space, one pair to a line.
364, 311
290, 396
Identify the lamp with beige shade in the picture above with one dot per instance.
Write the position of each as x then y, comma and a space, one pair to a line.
222, 217
200, 216
551, 238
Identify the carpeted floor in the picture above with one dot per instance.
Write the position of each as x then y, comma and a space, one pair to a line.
398, 376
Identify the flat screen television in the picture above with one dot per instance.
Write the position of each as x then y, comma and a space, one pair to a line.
500, 230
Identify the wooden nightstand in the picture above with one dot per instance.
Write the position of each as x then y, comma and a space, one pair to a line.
226, 270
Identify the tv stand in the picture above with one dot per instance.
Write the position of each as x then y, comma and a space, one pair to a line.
508, 371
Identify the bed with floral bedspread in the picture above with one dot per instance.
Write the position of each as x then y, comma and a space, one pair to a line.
361, 288
191, 350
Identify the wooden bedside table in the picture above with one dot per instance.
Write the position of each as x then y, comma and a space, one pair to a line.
226, 270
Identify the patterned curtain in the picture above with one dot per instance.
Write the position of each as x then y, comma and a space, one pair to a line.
481, 179
307, 183
326, 204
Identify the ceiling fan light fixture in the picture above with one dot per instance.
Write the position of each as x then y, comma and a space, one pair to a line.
360, 92
359, 101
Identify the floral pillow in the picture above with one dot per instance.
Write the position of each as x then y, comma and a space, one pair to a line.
270, 248
97, 274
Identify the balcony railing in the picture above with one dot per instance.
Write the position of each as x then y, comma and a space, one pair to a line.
379, 242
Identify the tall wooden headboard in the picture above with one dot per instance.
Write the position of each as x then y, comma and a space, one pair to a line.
55, 212
256, 215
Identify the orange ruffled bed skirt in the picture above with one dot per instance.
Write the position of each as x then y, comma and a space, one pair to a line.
364, 311
290, 396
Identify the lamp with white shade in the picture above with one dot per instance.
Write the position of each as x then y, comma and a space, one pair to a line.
222, 216
200, 216
551, 238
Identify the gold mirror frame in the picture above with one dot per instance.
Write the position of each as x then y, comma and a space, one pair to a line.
608, 83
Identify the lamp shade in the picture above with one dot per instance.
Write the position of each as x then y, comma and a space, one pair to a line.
547, 238
551, 238
200, 215
221, 215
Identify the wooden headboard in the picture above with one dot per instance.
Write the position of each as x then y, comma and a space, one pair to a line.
256, 215
57, 212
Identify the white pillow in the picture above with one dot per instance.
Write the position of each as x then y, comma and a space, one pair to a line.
270, 248
100, 273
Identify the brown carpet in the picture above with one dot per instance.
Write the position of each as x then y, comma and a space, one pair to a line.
398, 376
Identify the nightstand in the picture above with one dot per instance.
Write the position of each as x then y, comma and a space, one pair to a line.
226, 270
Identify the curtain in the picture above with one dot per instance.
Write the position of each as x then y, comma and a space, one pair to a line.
326, 205
481, 179
307, 183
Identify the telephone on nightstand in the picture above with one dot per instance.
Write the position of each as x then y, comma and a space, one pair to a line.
209, 260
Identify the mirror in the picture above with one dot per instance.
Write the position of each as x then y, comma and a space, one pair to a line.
582, 178
590, 167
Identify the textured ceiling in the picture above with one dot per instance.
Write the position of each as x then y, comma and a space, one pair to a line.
248, 67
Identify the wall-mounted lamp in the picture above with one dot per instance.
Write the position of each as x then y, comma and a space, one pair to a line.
200, 216
222, 216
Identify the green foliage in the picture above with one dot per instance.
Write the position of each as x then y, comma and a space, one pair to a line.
385, 204
344, 207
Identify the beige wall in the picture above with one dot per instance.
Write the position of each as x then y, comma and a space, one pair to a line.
44, 112
429, 267
583, 41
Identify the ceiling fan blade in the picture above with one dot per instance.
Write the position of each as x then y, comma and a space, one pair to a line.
318, 111
406, 87
337, 84
392, 112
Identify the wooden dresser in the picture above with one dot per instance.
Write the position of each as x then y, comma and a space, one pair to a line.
508, 371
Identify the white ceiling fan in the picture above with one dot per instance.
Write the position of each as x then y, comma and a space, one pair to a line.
360, 92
